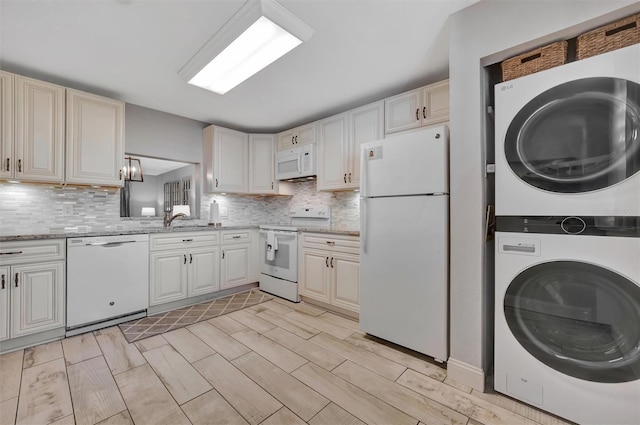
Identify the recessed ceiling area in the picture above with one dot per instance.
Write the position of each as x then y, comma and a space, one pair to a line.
132, 50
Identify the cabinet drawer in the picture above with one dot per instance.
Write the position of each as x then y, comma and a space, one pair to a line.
183, 240
22, 252
232, 236
348, 244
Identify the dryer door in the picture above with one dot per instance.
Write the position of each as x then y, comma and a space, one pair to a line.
579, 136
577, 318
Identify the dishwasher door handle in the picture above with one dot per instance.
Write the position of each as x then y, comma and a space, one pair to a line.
109, 244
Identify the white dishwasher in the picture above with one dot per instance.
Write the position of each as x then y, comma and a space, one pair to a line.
107, 281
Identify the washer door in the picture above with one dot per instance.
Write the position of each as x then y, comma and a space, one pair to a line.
580, 136
577, 318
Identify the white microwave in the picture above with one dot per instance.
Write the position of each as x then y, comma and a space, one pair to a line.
296, 163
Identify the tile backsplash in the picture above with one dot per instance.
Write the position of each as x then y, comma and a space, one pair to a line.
31, 209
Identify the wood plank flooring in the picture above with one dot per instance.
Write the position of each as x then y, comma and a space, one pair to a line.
276, 363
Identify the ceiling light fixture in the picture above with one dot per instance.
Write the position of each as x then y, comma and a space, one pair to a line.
259, 33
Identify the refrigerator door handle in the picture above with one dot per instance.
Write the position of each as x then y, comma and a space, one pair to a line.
363, 177
363, 224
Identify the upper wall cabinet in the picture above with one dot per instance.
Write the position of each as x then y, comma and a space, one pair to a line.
226, 154
38, 150
95, 139
421, 107
339, 139
6, 125
297, 136
261, 164
33, 145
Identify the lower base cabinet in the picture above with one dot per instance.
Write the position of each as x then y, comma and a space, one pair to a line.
330, 270
32, 288
185, 265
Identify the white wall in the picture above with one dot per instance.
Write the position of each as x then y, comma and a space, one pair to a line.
485, 33
161, 135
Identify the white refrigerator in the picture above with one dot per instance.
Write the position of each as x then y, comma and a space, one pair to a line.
404, 238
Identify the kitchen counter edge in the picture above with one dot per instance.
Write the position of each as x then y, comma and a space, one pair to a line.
116, 232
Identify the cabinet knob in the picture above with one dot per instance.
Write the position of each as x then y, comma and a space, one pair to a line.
19, 166
292, 140
424, 112
223, 255
16, 280
296, 139
331, 262
326, 261
418, 116
272, 185
185, 258
236, 237
216, 182
120, 175
345, 177
3, 284
190, 259
349, 177
7, 165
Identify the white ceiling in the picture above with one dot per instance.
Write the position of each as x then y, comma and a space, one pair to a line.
132, 50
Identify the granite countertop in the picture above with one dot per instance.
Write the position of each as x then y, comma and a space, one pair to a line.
151, 230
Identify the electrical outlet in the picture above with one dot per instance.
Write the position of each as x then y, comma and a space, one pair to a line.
67, 209
224, 212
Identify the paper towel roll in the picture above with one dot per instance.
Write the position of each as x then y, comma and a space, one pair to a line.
214, 212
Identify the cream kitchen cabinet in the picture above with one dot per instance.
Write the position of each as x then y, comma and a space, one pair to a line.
226, 160
32, 287
425, 106
262, 174
330, 269
38, 126
95, 139
6, 125
237, 265
183, 265
302, 135
339, 140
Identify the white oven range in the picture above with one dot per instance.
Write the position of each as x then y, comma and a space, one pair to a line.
279, 250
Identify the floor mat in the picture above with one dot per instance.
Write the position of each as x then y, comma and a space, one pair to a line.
185, 316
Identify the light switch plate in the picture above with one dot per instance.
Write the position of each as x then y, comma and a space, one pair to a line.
224, 212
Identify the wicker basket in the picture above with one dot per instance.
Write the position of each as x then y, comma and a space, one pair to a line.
536, 60
616, 35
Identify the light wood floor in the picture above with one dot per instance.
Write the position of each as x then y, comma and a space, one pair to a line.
274, 363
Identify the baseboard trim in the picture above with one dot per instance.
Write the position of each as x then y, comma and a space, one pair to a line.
466, 374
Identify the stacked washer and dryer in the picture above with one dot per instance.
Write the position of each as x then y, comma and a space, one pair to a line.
567, 294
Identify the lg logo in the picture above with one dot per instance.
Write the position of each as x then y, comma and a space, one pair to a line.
510, 86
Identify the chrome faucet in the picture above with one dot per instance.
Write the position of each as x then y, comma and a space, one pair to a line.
168, 218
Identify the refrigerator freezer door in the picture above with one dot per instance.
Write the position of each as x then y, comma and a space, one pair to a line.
404, 272
407, 164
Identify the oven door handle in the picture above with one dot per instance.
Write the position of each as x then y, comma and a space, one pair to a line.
280, 234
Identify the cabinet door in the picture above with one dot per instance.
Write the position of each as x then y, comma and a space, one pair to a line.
37, 298
4, 303
366, 125
305, 134
39, 131
231, 159
402, 112
262, 164
204, 271
314, 274
332, 152
95, 139
345, 269
236, 269
167, 277
435, 100
286, 140
6, 125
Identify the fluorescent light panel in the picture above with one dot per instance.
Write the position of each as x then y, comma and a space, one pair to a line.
261, 44
259, 33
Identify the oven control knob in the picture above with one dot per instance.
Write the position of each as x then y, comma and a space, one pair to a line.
111, 303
